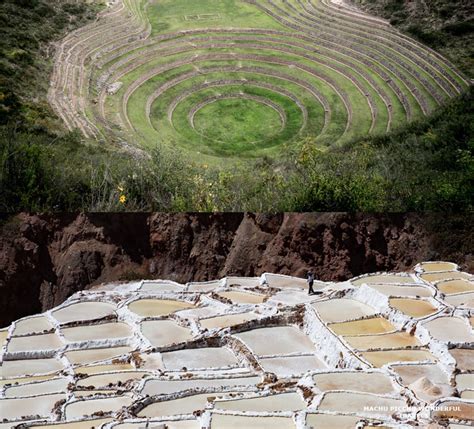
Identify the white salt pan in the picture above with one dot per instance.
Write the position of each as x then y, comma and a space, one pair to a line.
15, 368
32, 325
42, 406
281, 402
157, 307
97, 332
34, 342
287, 366
450, 329
277, 340
227, 320
225, 421
94, 355
340, 310
199, 358
243, 297
54, 385
375, 382
88, 407
83, 311
165, 332
157, 387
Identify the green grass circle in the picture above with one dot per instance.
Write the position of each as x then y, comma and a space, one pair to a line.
200, 142
237, 120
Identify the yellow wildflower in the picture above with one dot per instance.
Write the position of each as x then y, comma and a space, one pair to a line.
123, 199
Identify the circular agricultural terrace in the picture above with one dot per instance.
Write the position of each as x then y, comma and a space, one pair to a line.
243, 78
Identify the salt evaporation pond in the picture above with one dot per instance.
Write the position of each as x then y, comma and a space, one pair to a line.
468, 394
381, 358
381, 279
83, 311
461, 300
104, 380
185, 405
455, 286
374, 325
437, 266
237, 353
411, 373
226, 421
165, 332
452, 329
89, 407
97, 332
93, 355
340, 310
15, 368
290, 340
204, 286
435, 277
465, 381
11, 408
283, 282
161, 287
157, 307
409, 291
328, 421
54, 385
32, 325
247, 282
243, 297
3, 337
34, 342
155, 387
292, 297
455, 410
227, 320
288, 366
372, 382
281, 402
413, 307
383, 341
23, 380
464, 358
359, 403
199, 358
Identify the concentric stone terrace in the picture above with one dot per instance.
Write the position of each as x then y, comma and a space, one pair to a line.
243, 78
382, 350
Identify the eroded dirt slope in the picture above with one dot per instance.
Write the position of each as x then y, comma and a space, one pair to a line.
46, 258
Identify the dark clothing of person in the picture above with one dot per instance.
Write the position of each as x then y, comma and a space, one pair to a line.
310, 281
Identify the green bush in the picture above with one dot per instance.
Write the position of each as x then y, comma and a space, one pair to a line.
460, 28
428, 165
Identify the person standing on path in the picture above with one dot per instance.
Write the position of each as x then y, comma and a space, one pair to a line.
310, 281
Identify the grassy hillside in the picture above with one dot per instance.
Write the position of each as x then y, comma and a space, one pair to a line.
426, 165
445, 25
27, 28
301, 68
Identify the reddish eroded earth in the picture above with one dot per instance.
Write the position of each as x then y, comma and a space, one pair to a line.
44, 259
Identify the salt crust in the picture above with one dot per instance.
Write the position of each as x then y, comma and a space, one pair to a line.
225, 365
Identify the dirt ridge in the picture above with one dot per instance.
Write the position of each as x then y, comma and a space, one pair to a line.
46, 258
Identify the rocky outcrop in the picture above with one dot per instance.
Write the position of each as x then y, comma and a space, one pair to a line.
46, 258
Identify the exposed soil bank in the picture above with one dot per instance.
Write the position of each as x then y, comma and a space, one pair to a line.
46, 258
